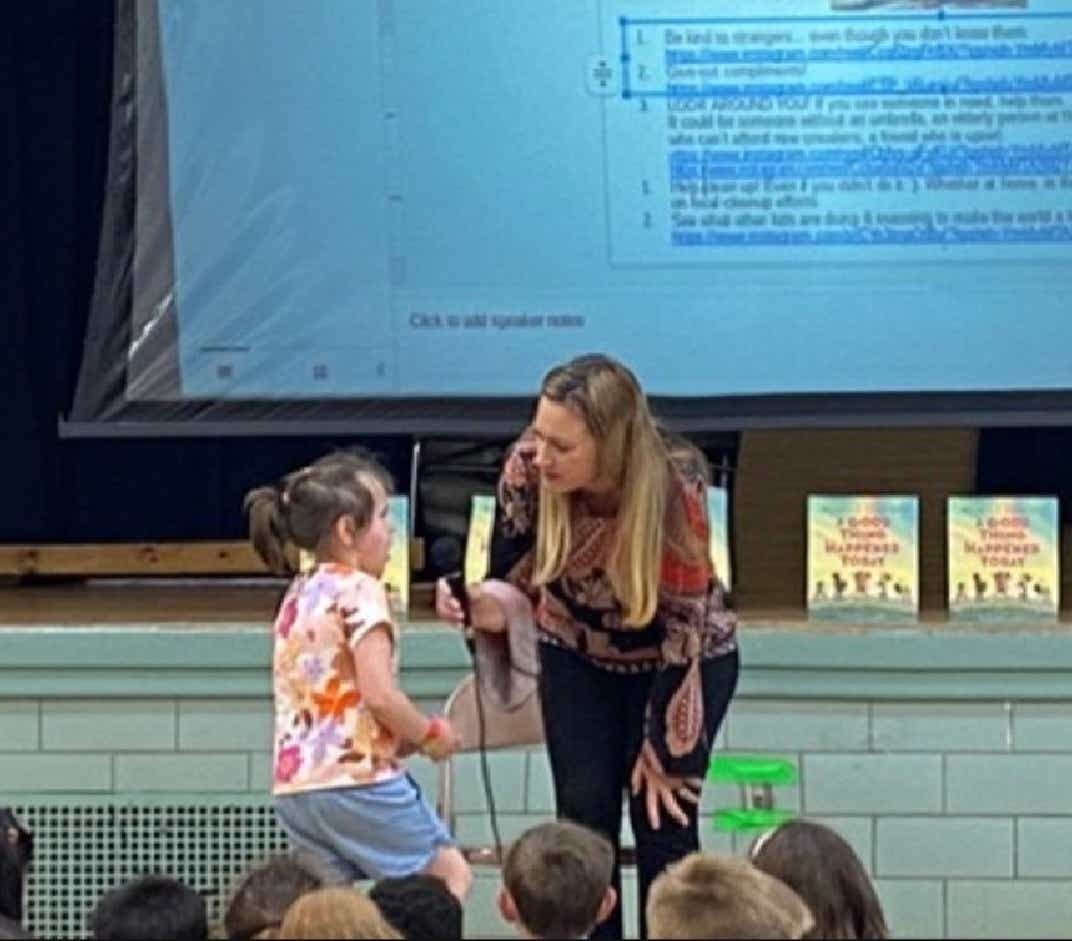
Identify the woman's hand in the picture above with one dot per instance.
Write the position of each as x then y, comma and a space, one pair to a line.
447, 607
665, 791
484, 611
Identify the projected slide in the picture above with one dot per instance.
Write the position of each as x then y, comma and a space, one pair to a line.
439, 198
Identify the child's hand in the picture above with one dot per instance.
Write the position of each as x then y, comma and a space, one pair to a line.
441, 741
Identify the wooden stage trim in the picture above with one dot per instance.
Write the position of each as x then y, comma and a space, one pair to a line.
204, 602
145, 558
86, 605
195, 602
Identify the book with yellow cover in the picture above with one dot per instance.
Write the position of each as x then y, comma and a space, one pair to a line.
1003, 558
863, 558
396, 572
718, 521
478, 542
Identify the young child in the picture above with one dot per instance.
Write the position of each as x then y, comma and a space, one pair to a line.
336, 913
16, 853
263, 895
150, 907
341, 722
827, 874
420, 908
556, 881
706, 895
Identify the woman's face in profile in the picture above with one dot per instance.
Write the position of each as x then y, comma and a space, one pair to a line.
566, 453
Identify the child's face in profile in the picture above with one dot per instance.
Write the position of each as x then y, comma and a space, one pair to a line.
374, 543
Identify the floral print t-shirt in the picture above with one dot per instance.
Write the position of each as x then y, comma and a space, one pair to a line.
324, 734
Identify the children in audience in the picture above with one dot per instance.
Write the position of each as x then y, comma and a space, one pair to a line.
16, 854
419, 907
342, 723
557, 881
711, 896
13, 931
152, 907
335, 913
824, 871
264, 894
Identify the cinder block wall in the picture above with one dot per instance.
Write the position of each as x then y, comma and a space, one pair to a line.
956, 800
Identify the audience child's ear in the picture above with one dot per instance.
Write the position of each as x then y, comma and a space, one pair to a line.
507, 907
610, 900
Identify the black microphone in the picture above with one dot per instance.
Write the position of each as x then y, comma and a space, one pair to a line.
446, 555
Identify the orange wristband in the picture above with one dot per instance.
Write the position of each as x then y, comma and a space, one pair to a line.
436, 731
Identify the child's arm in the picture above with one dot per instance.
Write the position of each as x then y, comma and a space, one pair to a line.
392, 707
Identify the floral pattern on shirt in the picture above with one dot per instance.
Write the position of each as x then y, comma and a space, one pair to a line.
324, 735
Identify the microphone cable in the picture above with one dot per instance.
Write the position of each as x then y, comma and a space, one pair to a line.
481, 717
456, 582
482, 744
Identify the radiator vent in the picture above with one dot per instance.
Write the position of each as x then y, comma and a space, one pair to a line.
81, 851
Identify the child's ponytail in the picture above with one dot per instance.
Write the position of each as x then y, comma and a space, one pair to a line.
268, 529
304, 506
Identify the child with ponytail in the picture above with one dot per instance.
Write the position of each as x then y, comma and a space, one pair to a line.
341, 722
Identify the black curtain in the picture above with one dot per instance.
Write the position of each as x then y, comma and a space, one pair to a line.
52, 72
55, 102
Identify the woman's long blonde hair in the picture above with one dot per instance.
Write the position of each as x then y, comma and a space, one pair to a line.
633, 456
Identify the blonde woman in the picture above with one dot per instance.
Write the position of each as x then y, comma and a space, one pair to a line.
606, 532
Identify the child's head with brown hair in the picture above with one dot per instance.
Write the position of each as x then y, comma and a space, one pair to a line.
335, 507
556, 881
335, 913
263, 895
706, 895
824, 871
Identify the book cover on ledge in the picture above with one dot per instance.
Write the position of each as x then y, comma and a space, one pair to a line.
396, 575
478, 540
1003, 558
718, 522
863, 557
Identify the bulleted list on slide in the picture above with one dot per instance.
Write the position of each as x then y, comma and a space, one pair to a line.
852, 131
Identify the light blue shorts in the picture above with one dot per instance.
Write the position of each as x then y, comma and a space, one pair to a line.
373, 832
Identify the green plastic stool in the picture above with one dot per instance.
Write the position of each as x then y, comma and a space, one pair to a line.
756, 777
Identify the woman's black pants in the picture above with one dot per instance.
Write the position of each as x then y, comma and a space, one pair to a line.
594, 722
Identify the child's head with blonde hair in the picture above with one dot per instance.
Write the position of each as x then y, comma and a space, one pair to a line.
335, 913
706, 895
